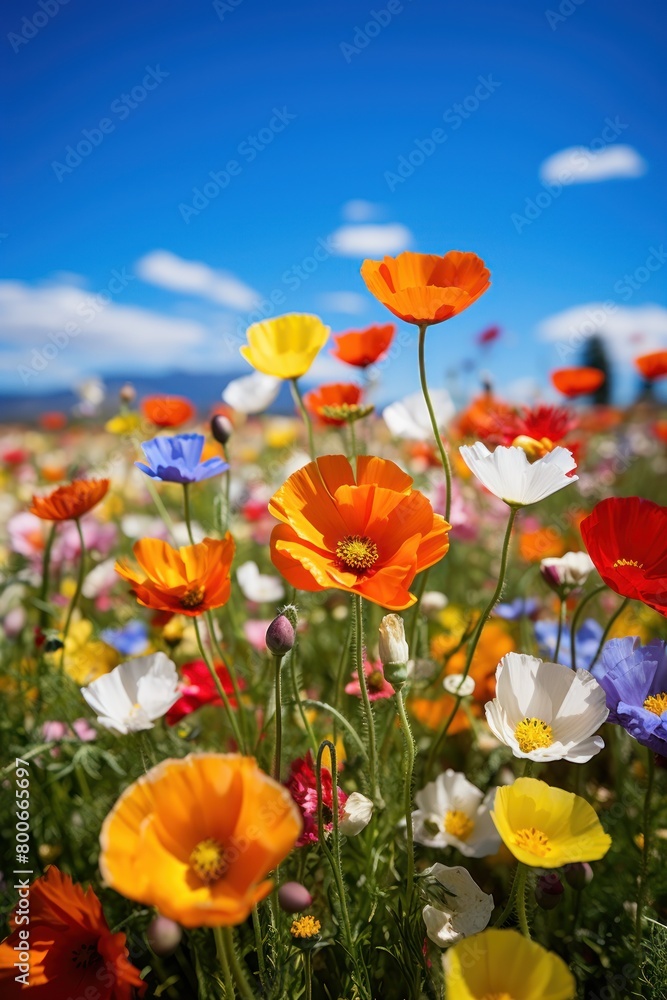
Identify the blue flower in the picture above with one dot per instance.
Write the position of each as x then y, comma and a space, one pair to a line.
585, 644
177, 459
130, 640
634, 679
517, 608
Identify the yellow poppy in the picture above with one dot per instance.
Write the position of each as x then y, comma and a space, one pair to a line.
285, 346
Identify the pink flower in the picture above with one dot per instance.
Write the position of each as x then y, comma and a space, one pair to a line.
83, 729
302, 786
99, 538
53, 731
378, 686
27, 535
255, 632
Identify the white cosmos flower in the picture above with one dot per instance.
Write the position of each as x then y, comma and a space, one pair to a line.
507, 472
357, 813
452, 812
252, 393
134, 694
408, 417
462, 910
546, 711
256, 586
568, 571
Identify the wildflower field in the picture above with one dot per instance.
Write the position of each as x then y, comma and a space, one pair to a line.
351, 702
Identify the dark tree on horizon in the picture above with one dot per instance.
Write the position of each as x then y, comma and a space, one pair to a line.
595, 355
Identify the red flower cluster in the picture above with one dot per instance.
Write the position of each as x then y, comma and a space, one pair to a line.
302, 786
199, 689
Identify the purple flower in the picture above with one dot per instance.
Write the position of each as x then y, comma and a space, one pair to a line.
518, 608
130, 640
634, 679
585, 644
177, 459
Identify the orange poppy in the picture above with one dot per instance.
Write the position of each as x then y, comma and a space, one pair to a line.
167, 411
70, 951
652, 366
484, 417
660, 430
369, 536
574, 382
53, 420
196, 838
185, 581
335, 403
71, 501
541, 543
362, 348
424, 288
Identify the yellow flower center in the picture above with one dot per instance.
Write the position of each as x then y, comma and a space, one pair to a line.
305, 927
534, 449
628, 562
533, 841
533, 734
656, 703
208, 860
375, 680
458, 825
357, 553
346, 411
193, 597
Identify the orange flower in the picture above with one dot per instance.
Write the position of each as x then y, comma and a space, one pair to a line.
362, 348
167, 411
577, 381
53, 420
660, 430
652, 366
424, 288
335, 403
69, 502
185, 581
484, 417
369, 537
541, 543
197, 837
70, 950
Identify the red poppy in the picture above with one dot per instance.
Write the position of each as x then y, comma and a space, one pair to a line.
53, 420
489, 335
302, 786
199, 689
573, 382
363, 347
660, 430
626, 538
334, 403
652, 366
538, 422
167, 411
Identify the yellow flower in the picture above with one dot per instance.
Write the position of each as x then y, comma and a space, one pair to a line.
548, 827
504, 965
285, 346
85, 659
123, 423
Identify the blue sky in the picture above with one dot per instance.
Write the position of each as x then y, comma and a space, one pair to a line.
318, 105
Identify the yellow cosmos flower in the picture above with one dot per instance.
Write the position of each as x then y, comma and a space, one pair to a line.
548, 827
85, 658
285, 346
504, 965
123, 423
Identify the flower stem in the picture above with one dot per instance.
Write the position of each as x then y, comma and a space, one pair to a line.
561, 622
575, 621
259, 947
237, 969
521, 900
278, 662
210, 625
308, 974
298, 399
509, 906
368, 710
646, 848
444, 458
297, 697
224, 963
409, 768
619, 611
186, 511
218, 684
46, 564
79, 586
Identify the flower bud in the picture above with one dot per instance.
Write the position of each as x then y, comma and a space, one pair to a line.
280, 635
357, 813
548, 891
393, 649
164, 936
221, 428
294, 897
291, 613
578, 874
458, 685
127, 393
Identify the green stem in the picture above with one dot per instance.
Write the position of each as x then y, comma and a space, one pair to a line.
444, 458
368, 710
162, 510
521, 901
186, 511
218, 684
210, 625
338, 716
561, 622
419, 593
79, 585
298, 399
237, 969
46, 564
409, 768
297, 697
221, 952
509, 906
308, 974
646, 848
259, 948
619, 611
278, 660
575, 621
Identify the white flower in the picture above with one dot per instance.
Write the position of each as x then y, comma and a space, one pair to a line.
463, 909
452, 812
392, 644
357, 813
568, 571
143, 526
256, 586
101, 578
134, 694
432, 602
546, 711
507, 472
252, 393
408, 417
457, 684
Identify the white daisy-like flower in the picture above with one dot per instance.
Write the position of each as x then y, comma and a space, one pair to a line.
568, 571
409, 418
252, 393
462, 910
357, 813
509, 475
546, 711
452, 812
134, 694
458, 685
256, 586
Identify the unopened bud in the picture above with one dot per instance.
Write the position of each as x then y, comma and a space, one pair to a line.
578, 874
280, 636
164, 936
394, 651
221, 428
294, 897
291, 613
357, 813
548, 891
127, 393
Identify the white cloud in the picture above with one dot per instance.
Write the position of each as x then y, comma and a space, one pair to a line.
371, 240
160, 267
358, 210
628, 331
581, 165
351, 303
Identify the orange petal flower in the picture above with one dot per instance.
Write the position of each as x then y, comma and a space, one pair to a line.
185, 581
343, 396
197, 837
652, 366
363, 347
423, 288
71, 501
72, 952
53, 420
167, 411
369, 536
577, 381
